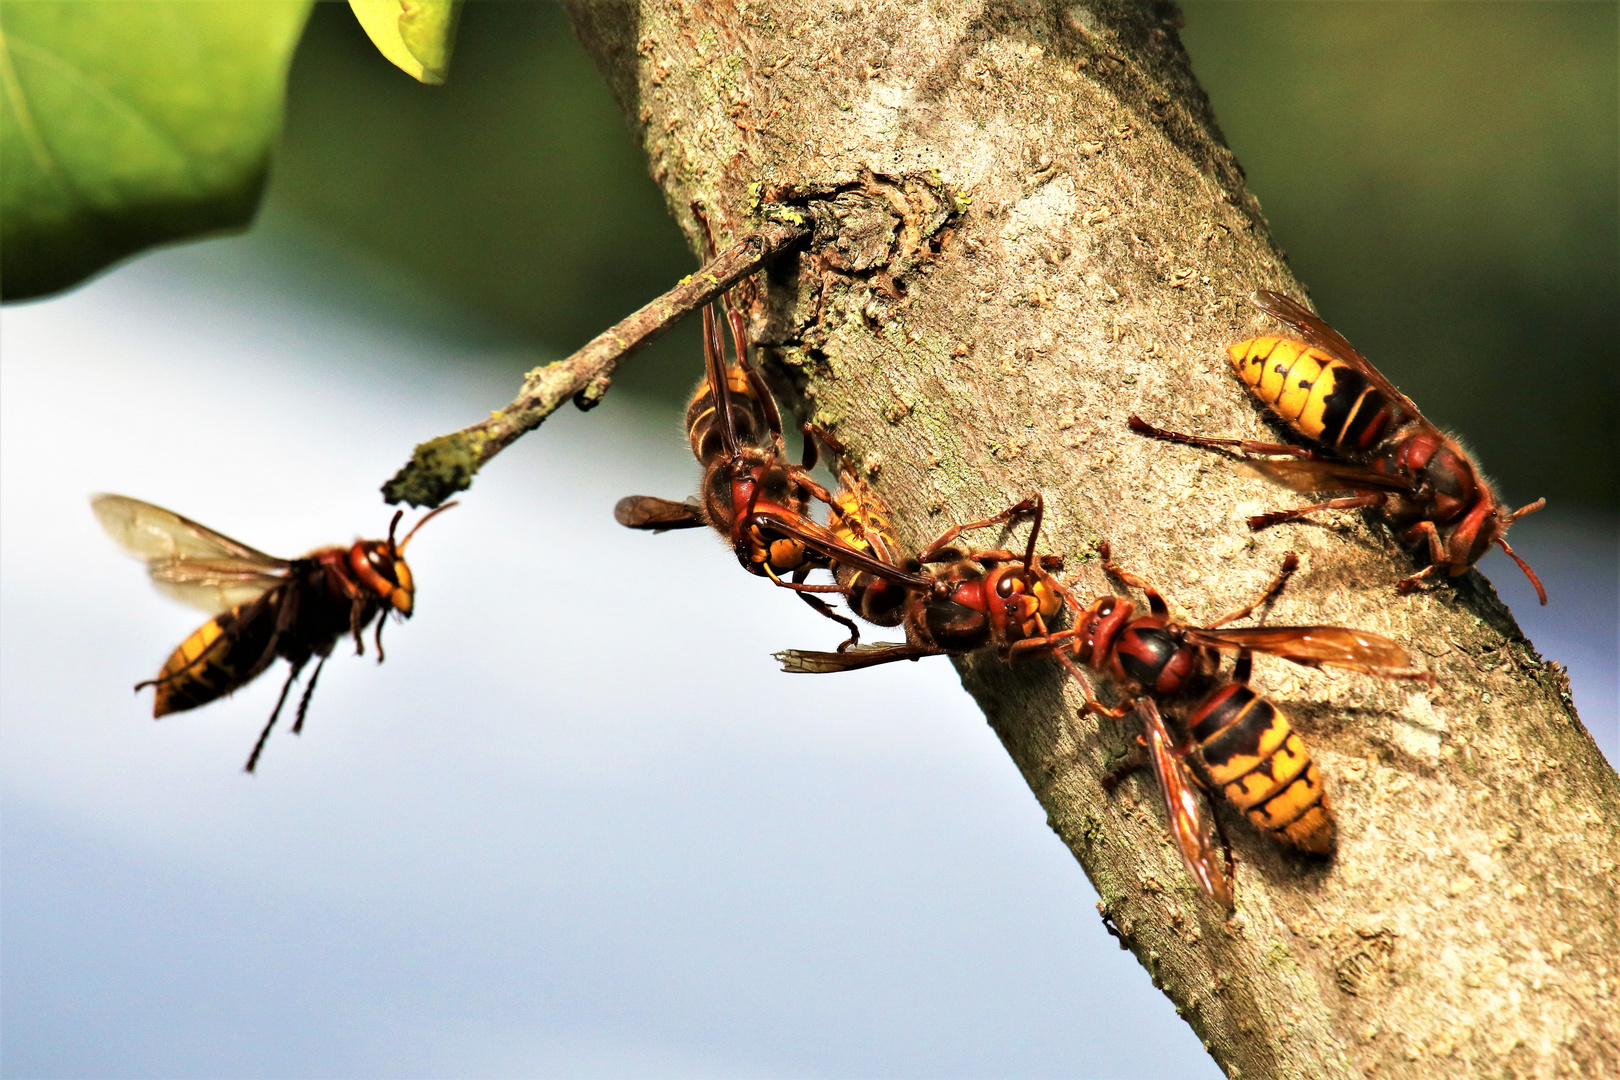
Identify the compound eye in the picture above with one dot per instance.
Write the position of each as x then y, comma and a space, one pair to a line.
383, 564
1009, 585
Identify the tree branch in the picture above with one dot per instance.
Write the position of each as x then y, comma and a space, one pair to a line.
1028, 227
445, 465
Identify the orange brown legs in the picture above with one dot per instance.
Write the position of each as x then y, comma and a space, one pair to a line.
1092, 704
944, 539
820, 606
1353, 502
1156, 602
1247, 446
1290, 564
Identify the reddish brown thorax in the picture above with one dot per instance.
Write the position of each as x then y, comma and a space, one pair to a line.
1451, 495
1444, 478
973, 607
954, 618
1146, 652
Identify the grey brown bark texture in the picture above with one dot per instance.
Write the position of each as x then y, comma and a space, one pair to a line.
1028, 227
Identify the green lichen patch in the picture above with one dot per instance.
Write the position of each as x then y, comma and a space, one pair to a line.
1278, 956
438, 469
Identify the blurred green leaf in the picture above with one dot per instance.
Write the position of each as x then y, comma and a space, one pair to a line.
514, 189
415, 35
128, 123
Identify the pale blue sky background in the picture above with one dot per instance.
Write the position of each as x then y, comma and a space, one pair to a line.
578, 825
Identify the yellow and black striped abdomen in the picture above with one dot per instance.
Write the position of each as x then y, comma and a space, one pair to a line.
1320, 397
747, 416
862, 522
220, 655
1263, 767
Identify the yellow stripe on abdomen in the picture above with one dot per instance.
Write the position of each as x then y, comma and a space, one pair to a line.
1299, 812
1318, 396
1264, 363
214, 660
189, 677
1308, 378
1263, 767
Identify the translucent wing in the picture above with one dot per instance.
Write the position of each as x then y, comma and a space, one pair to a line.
154, 534
806, 662
1183, 809
1309, 475
714, 367
823, 541
187, 561
651, 513
1318, 646
1313, 331
211, 586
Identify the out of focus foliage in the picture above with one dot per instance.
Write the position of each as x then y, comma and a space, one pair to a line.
415, 35
514, 188
1444, 178
127, 124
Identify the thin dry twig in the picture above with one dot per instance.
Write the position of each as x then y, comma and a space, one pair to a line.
445, 465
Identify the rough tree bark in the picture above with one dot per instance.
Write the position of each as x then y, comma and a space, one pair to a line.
1028, 227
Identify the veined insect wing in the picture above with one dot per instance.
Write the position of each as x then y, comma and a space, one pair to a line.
1317, 646
188, 561
1183, 809
651, 513
824, 542
1305, 475
154, 534
1313, 331
809, 662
